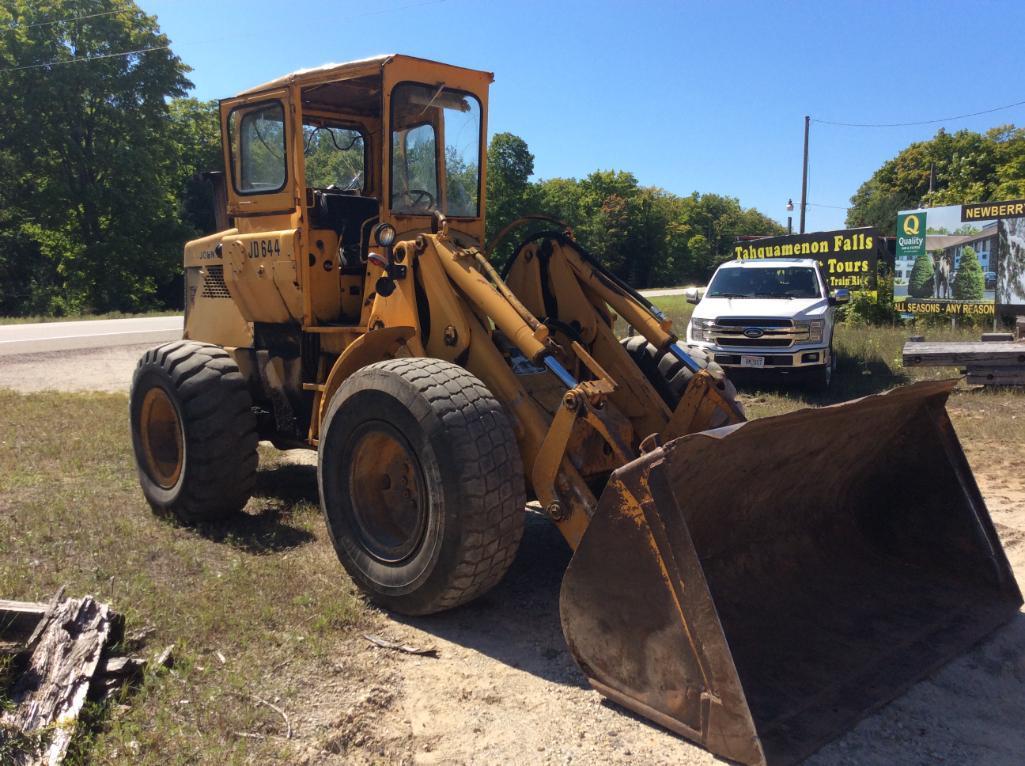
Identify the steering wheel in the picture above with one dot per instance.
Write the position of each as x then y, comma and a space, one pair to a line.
417, 196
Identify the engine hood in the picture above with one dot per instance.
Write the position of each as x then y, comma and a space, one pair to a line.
776, 308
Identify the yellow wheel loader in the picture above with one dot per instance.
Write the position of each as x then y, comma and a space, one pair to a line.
754, 586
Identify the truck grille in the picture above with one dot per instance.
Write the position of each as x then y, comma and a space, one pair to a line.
768, 333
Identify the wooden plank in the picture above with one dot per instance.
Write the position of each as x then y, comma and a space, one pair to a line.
996, 376
65, 651
997, 337
959, 354
19, 618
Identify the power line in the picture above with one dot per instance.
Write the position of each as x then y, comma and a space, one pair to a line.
85, 58
62, 21
917, 122
834, 207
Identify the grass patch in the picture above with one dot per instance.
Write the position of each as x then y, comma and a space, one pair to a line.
38, 319
265, 590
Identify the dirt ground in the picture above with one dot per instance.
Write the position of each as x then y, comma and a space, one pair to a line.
503, 688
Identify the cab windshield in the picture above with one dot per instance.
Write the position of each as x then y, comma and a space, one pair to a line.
784, 282
435, 151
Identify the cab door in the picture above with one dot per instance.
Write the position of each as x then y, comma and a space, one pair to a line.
258, 154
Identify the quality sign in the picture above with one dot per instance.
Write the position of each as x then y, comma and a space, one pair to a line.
910, 235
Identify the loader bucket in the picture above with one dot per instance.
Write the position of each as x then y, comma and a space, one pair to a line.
759, 588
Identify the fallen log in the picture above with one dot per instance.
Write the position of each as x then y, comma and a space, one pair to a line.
18, 619
63, 652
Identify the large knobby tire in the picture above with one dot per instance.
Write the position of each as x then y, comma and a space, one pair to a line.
421, 483
193, 431
669, 376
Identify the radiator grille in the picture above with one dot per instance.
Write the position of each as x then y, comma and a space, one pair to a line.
213, 283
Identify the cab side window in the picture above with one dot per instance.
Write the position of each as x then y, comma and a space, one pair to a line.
258, 148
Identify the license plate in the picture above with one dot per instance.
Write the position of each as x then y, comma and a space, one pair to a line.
752, 361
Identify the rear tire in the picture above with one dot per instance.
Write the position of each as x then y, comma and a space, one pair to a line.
421, 484
193, 431
670, 376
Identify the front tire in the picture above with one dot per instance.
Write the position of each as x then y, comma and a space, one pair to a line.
421, 484
193, 431
820, 379
670, 377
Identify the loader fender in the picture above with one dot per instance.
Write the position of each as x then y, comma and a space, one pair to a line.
759, 588
375, 346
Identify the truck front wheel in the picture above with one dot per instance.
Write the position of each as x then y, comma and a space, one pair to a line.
820, 379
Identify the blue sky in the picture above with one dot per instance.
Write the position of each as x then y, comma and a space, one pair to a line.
705, 97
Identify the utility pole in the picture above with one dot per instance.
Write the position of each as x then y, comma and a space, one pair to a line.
804, 175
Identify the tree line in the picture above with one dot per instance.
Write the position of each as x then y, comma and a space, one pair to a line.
948, 169
644, 234
100, 161
100, 155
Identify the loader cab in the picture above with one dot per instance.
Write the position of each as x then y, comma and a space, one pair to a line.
331, 152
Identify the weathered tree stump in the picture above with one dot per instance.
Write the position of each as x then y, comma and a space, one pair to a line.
63, 654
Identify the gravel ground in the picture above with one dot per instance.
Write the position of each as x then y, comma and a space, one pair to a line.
97, 369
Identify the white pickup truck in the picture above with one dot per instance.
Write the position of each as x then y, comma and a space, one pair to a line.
768, 314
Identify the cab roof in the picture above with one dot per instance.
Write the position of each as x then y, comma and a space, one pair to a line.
349, 70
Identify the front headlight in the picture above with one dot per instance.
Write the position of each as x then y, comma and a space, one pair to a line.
384, 233
699, 328
814, 328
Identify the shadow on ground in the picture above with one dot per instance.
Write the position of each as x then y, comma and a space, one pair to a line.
517, 623
852, 380
280, 492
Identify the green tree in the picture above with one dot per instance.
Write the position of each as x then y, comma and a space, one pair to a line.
969, 282
196, 148
510, 165
920, 281
965, 167
92, 197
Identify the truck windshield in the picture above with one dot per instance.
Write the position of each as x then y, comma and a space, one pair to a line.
434, 126
784, 282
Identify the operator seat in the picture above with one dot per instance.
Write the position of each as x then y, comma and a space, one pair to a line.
346, 213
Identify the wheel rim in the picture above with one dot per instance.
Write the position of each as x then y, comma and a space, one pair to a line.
386, 492
162, 438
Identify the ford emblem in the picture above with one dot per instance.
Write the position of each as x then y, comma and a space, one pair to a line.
754, 332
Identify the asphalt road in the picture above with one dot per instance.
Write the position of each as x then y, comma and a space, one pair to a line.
19, 339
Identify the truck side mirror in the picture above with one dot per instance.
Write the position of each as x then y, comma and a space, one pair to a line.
692, 294
840, 297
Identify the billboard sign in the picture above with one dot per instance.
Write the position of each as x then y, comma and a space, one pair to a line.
944, 265
1010, 266
960, 260
848, 257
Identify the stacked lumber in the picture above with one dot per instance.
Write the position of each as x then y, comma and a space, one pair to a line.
988, 363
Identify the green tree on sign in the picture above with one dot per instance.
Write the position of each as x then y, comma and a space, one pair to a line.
969, 283
920, 281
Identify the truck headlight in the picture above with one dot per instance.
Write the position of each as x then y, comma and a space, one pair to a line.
814, 328
699, 329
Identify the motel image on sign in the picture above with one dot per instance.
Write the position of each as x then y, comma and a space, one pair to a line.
944, 264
